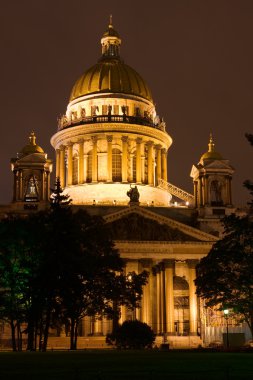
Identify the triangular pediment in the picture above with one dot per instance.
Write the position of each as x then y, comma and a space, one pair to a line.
217, 164
138, 223
32, 158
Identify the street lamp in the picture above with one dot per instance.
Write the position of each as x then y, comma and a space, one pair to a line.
226, 316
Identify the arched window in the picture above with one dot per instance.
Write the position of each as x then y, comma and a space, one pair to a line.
216, 193
31, 193
75, 170
181, 305
89, 167
116, 165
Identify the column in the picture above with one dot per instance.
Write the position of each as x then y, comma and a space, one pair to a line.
138, 160
70, 164
57, 163
109, 158
94, 160
153, 299
21, 195
124, 158
150, 164
200, 192
14, 186
81, 163
146, 298
98, 328
193, 297
158, 302
164, 165
169, 272
62, 165
162, 295
158, 163
196, 193
41, 195
206, 192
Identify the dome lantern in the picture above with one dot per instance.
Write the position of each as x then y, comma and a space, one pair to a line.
110, 42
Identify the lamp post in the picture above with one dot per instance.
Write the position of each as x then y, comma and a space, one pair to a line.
226, 316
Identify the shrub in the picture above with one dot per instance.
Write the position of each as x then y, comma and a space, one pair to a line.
132, 335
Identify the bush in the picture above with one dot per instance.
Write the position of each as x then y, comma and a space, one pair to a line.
132, 335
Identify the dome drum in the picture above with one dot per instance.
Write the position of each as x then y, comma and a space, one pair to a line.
111, 134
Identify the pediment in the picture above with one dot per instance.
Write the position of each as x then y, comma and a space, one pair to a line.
217, 164
32, 158
138, 223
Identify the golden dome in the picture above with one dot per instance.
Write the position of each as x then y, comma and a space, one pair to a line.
32, 147
110, 74
211, 154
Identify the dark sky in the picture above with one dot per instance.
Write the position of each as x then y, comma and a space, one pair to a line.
196, 56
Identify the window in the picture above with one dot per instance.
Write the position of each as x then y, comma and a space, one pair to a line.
75, 170
116, 165
104, 110
89, 167
116, 110
31, 194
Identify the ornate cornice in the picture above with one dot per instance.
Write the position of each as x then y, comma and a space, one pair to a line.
80, 131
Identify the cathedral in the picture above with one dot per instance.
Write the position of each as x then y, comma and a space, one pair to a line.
111, 157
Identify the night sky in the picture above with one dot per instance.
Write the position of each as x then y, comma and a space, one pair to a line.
196, 57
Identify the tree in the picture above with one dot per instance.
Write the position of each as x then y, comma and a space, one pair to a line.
132, 335
249, 184
225, 275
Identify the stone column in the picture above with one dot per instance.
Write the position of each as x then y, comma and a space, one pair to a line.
62, 165
85, 164
162, 295
150, 163
158, 302
70, 164
57, 163
138, 159
14, 186
158, 163
41, 194
196, 193
153, 299
94, 160
81, 163
21, 185
143, 168
146, 299
169, 272
164, 165
206, 199
124, 158
193, 297
109, 158
200, 192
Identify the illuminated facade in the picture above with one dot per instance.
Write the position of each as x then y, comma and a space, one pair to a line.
110, 138
111, 135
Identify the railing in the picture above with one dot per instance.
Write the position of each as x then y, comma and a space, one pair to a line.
63, 122
176, 191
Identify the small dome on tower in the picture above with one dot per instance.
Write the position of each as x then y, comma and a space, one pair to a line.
32, 147
211, 154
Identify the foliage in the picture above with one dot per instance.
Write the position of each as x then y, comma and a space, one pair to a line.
132, 335
58, 198
60, 265
249, 184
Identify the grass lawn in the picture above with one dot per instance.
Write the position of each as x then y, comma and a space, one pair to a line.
110, 365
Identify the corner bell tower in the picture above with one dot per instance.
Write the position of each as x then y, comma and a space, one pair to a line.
31, 169
212, 178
